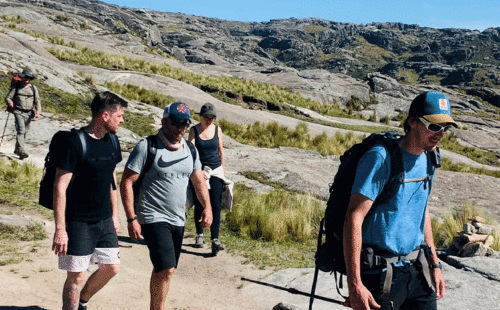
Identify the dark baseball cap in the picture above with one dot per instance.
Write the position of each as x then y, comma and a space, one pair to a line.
27, 74
177, 112
208, 109
433, 106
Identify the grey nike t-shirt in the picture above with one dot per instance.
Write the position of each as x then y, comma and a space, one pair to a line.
163, 192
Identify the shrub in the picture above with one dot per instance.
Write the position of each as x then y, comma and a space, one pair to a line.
275, 216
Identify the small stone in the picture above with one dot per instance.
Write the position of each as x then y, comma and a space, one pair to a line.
474, 249
469, 229
458, 243
472, 238
486, 229
477, 219
489, 241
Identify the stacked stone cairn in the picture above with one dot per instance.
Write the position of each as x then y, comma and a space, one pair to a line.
475, 239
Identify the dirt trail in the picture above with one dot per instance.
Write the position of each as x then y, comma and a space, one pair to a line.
200, 282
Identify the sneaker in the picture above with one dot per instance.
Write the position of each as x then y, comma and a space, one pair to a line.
199, 241
82, 307
216, 246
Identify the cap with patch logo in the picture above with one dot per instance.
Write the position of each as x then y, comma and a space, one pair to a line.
433, 106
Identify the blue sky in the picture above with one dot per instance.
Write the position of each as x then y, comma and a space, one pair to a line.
470, 14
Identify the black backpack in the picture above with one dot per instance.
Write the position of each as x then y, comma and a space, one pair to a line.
45, 197
330, 255
152, 147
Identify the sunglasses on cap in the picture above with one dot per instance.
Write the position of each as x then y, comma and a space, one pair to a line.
434, 127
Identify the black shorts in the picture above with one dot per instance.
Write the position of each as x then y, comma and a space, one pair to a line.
164, 242
84, 238
90, 242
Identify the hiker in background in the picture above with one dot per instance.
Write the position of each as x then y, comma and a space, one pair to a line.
397, 228
208, 141
86, 217
23, 101
161, 200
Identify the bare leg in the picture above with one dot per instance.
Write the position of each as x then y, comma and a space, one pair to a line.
71, 290
160, 283
98, 279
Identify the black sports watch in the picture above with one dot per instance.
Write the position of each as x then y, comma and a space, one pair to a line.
132, 219
436, 266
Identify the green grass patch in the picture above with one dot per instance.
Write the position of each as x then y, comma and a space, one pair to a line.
32, 232
274, 135
450, 143
14, 19
461, 167
408, 76
139, 123
249, 90
267, 233
137, 93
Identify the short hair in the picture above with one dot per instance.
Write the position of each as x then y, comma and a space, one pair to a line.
106, 101
406, 125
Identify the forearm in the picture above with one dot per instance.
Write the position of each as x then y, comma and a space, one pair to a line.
59, 203
113, 197
353, 241
127, 195
201, 190
429, 239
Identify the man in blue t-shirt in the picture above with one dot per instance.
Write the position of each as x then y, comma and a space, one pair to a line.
396, 228
86, 214
160, 217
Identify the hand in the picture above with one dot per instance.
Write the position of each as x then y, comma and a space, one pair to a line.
116, 224
134, 230
37, 115
361, 299
60, 242
439, 284
206, 218
10, 108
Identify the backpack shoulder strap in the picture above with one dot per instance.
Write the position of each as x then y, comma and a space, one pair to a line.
192, 149
396, 178
80, 134
116, 145
152, 147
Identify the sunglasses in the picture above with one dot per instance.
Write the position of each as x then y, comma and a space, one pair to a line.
434, 127
182, 123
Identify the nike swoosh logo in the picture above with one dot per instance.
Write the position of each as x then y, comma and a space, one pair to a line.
164, 164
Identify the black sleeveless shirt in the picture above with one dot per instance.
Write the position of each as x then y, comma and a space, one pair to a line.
208, 149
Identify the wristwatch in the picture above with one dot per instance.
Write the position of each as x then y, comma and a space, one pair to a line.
132, 219
436, 266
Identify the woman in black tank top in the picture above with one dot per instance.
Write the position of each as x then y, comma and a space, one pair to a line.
208, 141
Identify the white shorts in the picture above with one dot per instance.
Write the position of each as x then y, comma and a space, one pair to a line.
80, 263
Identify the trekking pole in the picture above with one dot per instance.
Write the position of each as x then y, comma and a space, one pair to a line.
5, 127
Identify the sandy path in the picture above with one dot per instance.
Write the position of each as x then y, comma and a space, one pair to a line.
200, 282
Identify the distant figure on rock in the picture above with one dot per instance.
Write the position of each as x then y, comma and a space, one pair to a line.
208, 141
85, 202
23, 101
403, 271
162, 166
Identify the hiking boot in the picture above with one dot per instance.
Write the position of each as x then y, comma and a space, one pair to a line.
199, 241
22, 155
216, 246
